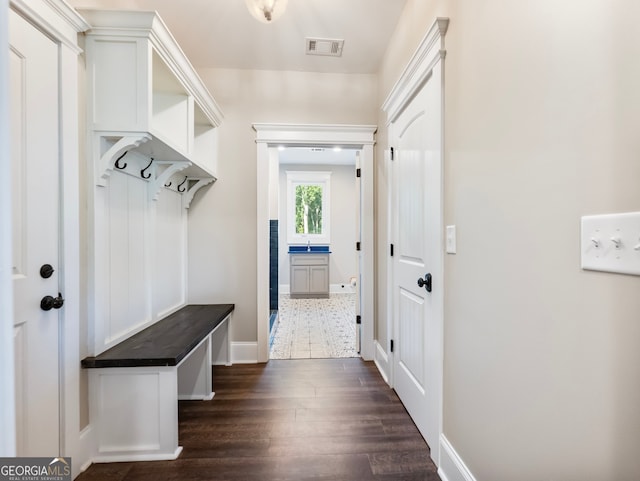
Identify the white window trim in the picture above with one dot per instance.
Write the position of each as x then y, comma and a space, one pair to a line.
306, 177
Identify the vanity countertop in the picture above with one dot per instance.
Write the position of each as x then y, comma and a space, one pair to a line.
309, 249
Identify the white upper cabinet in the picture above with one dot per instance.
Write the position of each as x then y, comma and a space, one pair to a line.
145, 96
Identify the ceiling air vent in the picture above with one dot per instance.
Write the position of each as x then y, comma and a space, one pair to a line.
324, 46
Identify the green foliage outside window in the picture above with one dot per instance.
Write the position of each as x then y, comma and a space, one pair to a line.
308, 209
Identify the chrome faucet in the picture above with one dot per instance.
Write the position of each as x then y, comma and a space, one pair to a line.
308, 246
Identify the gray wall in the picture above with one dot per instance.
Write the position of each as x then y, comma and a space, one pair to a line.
542, 365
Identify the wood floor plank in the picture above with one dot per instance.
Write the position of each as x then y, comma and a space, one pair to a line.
317, 419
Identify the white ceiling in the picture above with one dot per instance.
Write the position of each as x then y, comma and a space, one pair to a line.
222, 33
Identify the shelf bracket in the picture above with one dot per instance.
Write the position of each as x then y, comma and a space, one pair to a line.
159, 181
107, 159
187, 197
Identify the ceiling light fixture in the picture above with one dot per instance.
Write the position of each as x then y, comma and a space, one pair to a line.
266, 11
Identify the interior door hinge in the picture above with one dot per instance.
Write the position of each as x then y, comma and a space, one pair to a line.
391, 250
358, 173
392, 156
391, 345
357, 246
358, 319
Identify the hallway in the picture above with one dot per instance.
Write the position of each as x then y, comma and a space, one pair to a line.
330, 419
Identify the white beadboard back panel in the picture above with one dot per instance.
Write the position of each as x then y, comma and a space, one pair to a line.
169, 266
128, 251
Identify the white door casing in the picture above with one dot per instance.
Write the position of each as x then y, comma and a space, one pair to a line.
34, 114
268, 138
7, 394
415, 115
358, 208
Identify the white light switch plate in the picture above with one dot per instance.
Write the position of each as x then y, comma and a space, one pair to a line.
611, 243
451, 239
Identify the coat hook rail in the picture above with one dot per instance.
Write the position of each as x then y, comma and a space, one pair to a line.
181, 184
117, 164
143, 170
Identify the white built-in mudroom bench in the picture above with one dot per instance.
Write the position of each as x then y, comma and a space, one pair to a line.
152, 142
136, 385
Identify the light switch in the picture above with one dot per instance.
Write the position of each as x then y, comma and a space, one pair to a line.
611, 243
451, 239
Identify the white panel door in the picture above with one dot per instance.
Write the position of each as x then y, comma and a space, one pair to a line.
34, 155
417, 260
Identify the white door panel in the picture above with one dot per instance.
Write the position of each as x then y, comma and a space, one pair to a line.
35, 222
418, 223
411, 329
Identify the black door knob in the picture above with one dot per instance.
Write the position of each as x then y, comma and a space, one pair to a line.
48, 302
426, 282
46, 271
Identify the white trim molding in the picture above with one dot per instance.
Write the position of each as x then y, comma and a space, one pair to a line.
302, 134
268, 138
54, 17
382, 362
452, 468
7, 368
244, 352
430, 51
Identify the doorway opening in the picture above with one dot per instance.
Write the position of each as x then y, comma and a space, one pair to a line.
271, 137
313, 258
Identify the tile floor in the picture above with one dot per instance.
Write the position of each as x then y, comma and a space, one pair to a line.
315, 328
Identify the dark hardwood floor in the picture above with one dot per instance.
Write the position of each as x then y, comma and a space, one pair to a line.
315, 419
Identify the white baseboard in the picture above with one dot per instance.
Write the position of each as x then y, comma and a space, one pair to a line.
284, 289
452, 468
341, 289
120, 458
88, 450
244, 352
381, 359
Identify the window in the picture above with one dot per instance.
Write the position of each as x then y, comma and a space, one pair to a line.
308, 212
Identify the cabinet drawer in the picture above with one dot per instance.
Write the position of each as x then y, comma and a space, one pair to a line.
309, 259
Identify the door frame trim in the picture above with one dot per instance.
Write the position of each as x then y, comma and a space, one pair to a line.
419, 69
268, 138
7, 395
61, 23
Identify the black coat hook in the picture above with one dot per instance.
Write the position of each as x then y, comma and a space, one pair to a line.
168, 185
181, 184
143, 170
117, 165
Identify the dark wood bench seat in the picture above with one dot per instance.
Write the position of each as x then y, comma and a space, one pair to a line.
167, 342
